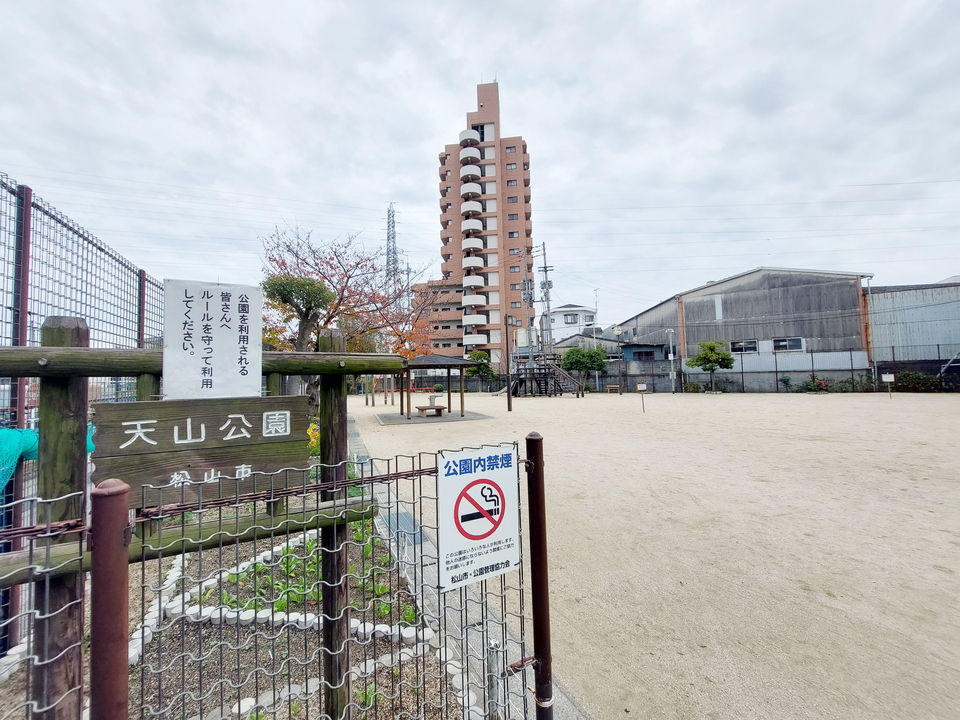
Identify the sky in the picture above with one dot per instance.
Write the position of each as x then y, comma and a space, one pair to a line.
671, 143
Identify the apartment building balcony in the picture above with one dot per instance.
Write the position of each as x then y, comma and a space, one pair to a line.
469, 156
469, 137
471, 208
471, 190
473, 281
469, 173
472, 243
473, 300
471, 227
474, 339
472, 262
473, 319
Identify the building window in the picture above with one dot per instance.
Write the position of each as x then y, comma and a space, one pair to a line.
444, 327
570, 319
511, 166
515, 268
514, 251
517, 286
514, 304
588, 318
743, 346
511, 182
512, 148
513, 216
514, 234
512, 199
787, 344
643, 355
445, 345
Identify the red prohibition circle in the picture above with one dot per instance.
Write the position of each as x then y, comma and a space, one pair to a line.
481, 511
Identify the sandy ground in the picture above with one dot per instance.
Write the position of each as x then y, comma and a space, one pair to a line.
742, 556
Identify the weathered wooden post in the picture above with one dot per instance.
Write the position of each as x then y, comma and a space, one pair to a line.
275, 508
332, 417
57, 680
274, 384
148, 388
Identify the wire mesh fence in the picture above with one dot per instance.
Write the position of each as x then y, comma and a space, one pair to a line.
53, 266
43, 675
235, 618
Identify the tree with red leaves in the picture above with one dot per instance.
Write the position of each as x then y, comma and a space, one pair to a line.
337, 283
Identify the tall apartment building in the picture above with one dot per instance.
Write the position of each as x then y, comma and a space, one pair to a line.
487, 249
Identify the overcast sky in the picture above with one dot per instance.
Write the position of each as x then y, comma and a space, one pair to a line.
671, 143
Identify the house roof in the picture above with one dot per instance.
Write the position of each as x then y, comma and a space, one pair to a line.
764, 268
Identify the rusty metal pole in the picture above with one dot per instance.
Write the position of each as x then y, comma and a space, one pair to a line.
539, 575
109, 604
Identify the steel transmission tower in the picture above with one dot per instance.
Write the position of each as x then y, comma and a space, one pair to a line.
393, 259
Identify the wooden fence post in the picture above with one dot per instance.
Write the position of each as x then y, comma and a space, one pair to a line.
332, 417
61, 470
275, 508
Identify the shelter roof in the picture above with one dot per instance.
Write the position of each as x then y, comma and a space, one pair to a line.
424, 362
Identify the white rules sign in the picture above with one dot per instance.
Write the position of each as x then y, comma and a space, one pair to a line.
478, 502
211, 340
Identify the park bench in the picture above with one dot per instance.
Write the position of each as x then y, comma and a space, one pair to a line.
422, 410
613, 388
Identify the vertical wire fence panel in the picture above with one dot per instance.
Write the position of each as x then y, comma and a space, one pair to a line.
48, 550
230, 604
73, 273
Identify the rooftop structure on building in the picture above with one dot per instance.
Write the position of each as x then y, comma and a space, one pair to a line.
486, 238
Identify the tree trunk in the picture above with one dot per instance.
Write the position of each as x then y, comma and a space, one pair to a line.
713, 387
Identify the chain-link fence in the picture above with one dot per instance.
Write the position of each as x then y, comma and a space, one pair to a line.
247, 601
52, 266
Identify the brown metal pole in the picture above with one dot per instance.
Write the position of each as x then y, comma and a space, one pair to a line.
110, 599
142, 309
506, 344
462, 395
449, 392
21, 327
332, 415
539, 575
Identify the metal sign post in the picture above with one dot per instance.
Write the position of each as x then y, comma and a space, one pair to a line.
539, 576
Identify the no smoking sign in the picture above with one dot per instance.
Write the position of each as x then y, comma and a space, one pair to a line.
479, 509
478, 502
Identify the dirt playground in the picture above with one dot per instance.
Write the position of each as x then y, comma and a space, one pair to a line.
741, 556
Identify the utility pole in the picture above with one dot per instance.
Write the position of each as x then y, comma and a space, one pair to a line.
596, 316
673, 374
546, 285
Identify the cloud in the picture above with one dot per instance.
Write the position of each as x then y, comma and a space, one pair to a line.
671, 143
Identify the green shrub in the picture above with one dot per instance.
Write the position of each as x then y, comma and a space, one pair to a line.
692, 387
913, 381
438, 388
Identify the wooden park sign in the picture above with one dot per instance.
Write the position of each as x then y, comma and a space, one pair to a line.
192, 449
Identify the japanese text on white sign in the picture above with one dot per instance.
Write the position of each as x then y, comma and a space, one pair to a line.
211, 340
478, 503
